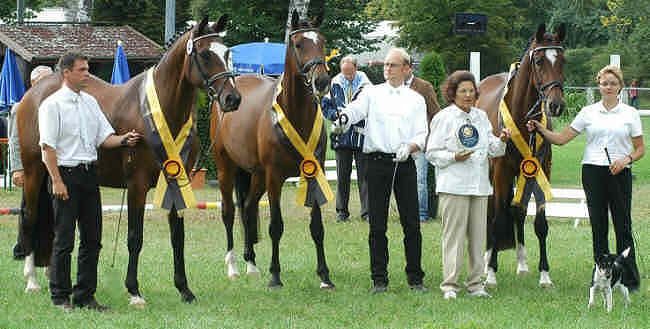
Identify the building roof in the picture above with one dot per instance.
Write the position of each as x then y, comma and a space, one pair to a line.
49, 42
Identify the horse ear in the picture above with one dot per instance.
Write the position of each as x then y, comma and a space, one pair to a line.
561, 32
539, 37
318, 20
221, 24
295, 19
201, 26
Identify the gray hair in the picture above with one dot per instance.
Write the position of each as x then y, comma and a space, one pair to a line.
38, 70
349, 58
403, 53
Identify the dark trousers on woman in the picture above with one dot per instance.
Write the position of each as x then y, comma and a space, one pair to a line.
605, 191
380, 173
343, 170
82, 207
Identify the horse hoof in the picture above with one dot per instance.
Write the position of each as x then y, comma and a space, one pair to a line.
252, 270
522, 269
327, 285
188, 297
233, 275
137, 302
32, 289
275, 284
231, 263
545, 280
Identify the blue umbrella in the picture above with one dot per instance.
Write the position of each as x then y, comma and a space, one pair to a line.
120, 67
12, 87
259, 57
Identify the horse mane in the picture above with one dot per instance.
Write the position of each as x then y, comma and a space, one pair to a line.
175, 37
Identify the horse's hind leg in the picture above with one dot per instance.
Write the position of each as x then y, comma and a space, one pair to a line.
31, 203
541, 230
177, 233
318, 235
276, 229
249, 213
226, 176
136, 203
519, 214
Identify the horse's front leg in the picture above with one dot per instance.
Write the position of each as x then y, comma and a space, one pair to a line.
177, 234
519, 214
228, 217
276, 229
249, 191
541, 230
318, 235
136, 202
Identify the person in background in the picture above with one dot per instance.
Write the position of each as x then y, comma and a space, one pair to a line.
614, 141
460, 144
634, 94
72, 126
396, 126
345, 87
424, 88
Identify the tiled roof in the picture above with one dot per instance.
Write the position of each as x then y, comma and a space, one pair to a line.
46, 42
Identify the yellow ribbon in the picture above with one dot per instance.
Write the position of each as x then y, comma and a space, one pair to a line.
524, 149
305, 150
172, 147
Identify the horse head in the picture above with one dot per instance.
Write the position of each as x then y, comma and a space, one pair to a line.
546, 58
208, 62
307, 45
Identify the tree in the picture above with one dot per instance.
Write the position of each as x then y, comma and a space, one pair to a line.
8, 8
432, 69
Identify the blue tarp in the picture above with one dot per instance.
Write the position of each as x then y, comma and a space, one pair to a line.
12, 87
259, 57
120, 67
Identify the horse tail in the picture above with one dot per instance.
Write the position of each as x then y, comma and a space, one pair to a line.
42, 234
242, 188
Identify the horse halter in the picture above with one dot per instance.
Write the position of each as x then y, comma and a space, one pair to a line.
208, 81
307, 67
541, 88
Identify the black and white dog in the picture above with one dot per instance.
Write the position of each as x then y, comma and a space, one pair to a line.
607, 275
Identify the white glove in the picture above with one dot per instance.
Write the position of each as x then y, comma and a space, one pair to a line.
402, 153
338, 128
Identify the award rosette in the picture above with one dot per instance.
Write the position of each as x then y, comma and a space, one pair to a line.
467, 136
529, 167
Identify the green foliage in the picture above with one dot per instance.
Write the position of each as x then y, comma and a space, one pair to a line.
575, 100
578, 71
8, 8
432, 69
375, 73
203, 128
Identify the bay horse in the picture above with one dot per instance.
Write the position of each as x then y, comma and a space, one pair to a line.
193, 61
251, 156
535, 88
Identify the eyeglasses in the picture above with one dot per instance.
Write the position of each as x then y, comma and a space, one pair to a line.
392, 65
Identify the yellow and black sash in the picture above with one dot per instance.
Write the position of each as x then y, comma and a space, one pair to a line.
532, 179
313, 188
173, 188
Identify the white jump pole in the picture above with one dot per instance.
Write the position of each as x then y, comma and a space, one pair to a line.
475, 65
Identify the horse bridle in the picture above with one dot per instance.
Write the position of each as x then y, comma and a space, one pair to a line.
307, 67
541, 88
208, 81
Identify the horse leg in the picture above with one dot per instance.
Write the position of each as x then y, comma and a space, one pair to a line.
228, 216
318, 235
28, 225
177, 234
249, 216
501, 223
29, 271
541, 230
519, 214
136, 202
276, 228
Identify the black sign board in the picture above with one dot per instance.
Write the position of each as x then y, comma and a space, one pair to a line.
470, 23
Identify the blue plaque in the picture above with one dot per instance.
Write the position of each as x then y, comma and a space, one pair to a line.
468, 135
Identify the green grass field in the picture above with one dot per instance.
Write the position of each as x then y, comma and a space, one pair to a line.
246, 303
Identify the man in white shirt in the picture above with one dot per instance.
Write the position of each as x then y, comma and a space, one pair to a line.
72, 126
396, 126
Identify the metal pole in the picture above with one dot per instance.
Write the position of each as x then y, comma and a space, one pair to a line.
20, 6
170, 19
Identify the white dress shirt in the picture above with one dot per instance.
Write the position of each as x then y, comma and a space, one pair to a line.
393, 116
469, 177
74, 125
613, 129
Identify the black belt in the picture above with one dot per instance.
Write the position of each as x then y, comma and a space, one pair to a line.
82, 166
379, 156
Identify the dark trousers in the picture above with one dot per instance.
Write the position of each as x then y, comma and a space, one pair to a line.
603, 192
83, 207
379, 173
343, 170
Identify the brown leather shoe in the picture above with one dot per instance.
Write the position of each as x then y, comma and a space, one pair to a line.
95, 306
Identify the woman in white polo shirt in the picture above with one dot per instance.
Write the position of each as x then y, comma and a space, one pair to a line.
614, 141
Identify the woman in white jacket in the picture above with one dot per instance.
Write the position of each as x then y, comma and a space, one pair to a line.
460, 143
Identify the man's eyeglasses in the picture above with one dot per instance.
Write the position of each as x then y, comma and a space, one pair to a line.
392, 65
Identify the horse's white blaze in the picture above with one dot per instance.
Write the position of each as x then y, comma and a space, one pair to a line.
522, 266
545, 279
551, 55
231, 263
220, 50
29, 271
311, 35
